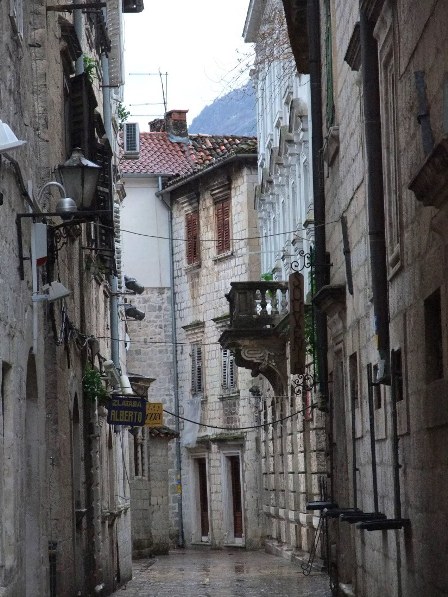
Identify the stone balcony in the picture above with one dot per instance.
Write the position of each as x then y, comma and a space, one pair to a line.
258, 330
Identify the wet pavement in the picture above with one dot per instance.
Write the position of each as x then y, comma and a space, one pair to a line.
232, 573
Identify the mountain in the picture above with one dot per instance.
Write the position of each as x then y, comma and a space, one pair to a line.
231, 114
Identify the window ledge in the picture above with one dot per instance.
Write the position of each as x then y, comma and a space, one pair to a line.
193, 267
223, 256
229, 394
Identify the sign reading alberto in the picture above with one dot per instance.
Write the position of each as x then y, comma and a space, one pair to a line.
126, 410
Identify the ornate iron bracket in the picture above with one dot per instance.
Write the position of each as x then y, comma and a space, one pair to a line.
303, 383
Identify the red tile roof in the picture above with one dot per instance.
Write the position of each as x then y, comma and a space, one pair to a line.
159, 155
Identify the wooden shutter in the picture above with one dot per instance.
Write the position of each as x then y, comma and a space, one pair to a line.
83, 104
104, 202
228, 378
196, 368
223, 226
192, 232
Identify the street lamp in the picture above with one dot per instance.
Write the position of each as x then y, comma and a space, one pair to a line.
79, 177
79, 180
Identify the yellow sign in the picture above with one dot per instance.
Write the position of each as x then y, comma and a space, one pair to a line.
154, 414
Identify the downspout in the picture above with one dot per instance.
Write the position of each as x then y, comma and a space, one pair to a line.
113, 280
320, 265
375, 194
79, 29
181, 538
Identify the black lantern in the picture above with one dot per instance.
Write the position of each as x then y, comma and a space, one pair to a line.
80, 177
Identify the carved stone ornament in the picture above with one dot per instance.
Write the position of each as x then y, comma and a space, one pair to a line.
430, 184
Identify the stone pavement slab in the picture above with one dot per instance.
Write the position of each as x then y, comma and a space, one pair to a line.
227, 573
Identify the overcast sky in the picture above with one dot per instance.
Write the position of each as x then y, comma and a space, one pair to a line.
197, 42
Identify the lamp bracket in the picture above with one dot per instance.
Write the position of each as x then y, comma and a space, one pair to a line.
79, 218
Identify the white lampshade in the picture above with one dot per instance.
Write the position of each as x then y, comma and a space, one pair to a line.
80, 178
8, 140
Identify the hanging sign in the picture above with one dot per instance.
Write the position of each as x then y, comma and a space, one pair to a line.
126, 410
154, 414
297, 344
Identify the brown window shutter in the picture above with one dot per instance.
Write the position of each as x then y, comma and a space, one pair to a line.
223, 226
192, 231
82, 111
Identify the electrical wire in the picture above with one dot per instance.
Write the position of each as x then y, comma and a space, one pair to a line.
307, 408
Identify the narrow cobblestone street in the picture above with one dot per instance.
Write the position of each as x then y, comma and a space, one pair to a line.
235, 573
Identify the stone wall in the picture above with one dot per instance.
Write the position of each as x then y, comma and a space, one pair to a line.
407, 561
201, 310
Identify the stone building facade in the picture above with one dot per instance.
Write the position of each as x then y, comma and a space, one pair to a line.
220, 466
206, 182
380, 96
65, 521
292, 437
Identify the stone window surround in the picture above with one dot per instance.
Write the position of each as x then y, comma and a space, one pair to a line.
384, 33
195, 335
190, 204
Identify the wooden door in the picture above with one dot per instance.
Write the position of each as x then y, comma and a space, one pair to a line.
236, 496
203, 497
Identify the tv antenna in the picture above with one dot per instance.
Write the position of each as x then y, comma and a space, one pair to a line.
164, 86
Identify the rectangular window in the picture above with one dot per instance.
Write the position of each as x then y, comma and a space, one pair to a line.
433, 337
397, 374
192, 233
131, 138
377, 396
228, 370
353, 374
16, 16
222, 211
330, 107
196, 369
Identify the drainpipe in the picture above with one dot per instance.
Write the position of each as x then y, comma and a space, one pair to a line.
181, 538
320, 266
375, 195
113, 280
79, 29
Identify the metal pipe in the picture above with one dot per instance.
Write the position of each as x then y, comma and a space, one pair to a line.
370, 386
375, 192
354, 459
320, 267
395, 444
79, 28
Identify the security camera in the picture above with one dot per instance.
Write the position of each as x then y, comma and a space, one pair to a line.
133, 312
133, 285
112, 374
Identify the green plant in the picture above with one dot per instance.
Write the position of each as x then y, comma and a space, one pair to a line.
93, 386
90, 68
268, 277
123, 114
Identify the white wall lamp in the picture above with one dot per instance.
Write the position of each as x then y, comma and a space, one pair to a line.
79, 182
8, 140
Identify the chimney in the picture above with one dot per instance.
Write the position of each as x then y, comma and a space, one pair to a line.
176, 126
157, 125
